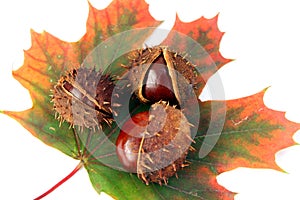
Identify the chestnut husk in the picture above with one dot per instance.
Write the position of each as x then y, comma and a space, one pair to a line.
82, 97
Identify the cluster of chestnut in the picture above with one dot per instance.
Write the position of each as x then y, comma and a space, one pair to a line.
154, 143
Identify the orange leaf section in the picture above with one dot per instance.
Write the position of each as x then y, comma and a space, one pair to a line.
204, 50
251, 136
120, 15
43, 64
206, 32
263, 144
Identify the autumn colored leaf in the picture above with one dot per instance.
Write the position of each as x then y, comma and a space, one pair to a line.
251, 136
202, 46
251, 133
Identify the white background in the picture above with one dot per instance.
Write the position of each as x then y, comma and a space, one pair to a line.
262, 37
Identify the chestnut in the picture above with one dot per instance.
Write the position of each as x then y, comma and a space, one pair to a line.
129, 140
159, 74
154, 144
157, 83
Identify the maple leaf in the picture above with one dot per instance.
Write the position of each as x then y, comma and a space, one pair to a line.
251, 134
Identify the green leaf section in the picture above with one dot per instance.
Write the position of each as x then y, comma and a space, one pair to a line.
118, 184
123, 185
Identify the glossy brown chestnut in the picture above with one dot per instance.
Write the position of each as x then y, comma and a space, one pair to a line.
157, 83
128, 145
